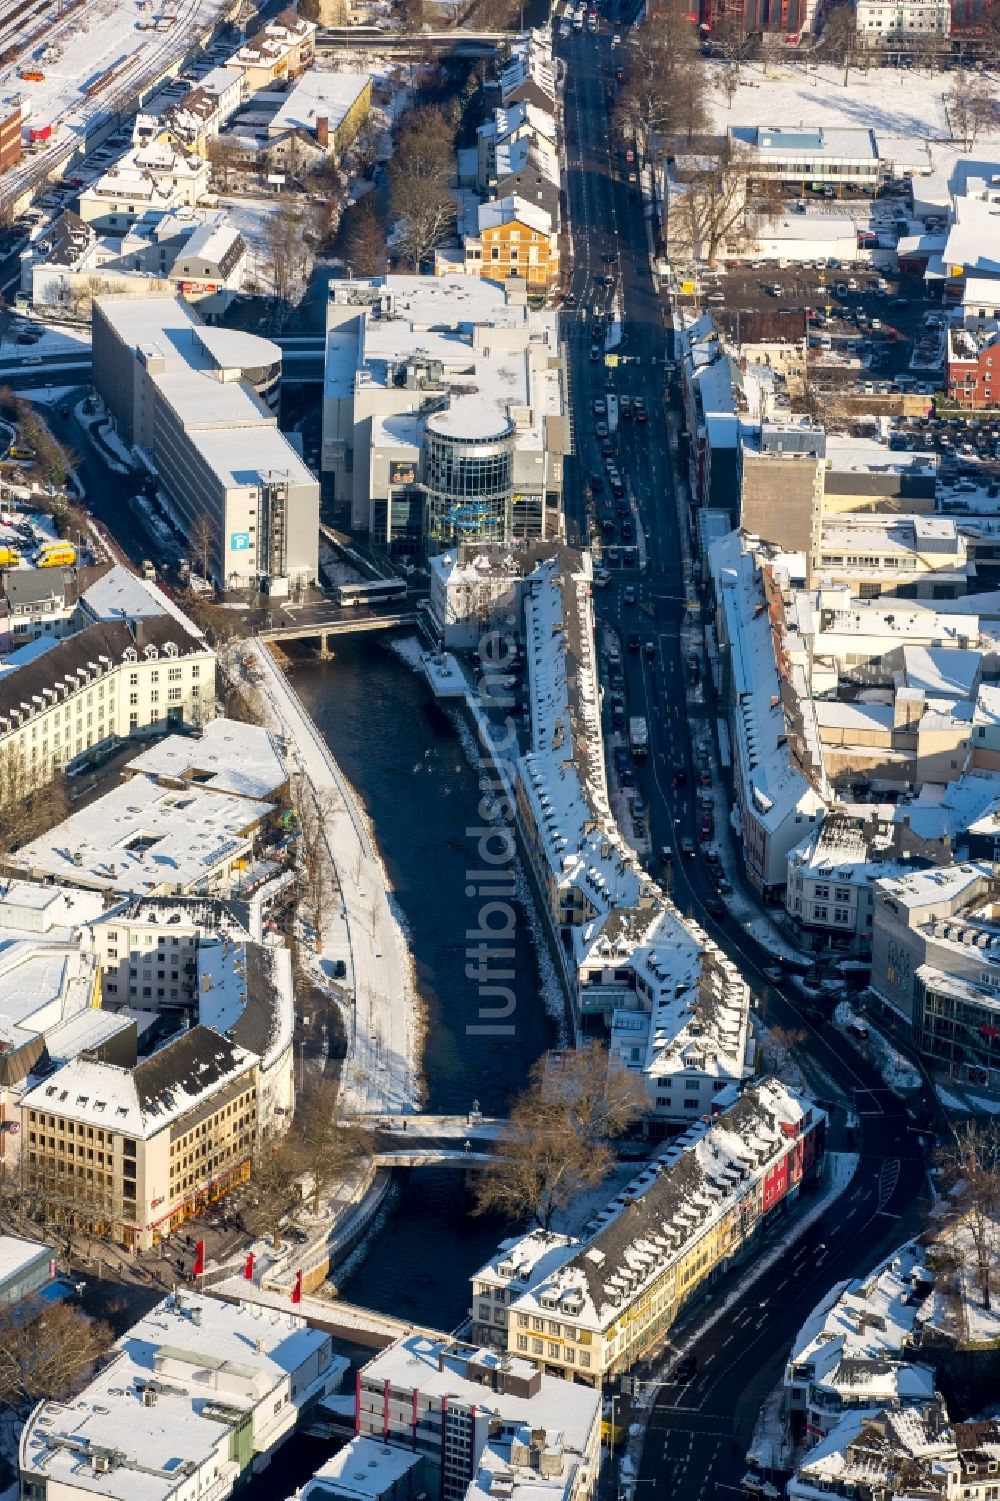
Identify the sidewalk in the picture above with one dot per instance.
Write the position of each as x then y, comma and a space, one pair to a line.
382, 1070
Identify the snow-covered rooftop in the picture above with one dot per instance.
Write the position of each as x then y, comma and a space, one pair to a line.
144, 838
162, 1411
671, 1204
317, 96
228, 756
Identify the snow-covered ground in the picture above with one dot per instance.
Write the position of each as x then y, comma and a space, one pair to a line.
966, 1103
955, 1306
57, 338
382, 1071
74, 52
894, 1068
897, 101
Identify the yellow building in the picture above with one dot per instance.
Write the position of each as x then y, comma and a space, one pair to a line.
132, 1153
514, 238
587, 1310
282, 49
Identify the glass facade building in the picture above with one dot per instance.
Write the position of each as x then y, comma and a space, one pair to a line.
468, 478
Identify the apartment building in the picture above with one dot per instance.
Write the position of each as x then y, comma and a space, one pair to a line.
633, 969
919, 1444
885, 23
155, 178
855, 1352
936, 959
198, 1397
513, 238
445, 412
134, 1153
10, 132
280, 50
197, 253
972, 361
200, 404
329, 107
477, 1416
592, 1314
109, 682
780, 781
832, 874
35, 602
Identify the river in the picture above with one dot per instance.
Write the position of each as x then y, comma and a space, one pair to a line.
404, 755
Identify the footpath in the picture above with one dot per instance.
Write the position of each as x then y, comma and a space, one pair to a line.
381, 1074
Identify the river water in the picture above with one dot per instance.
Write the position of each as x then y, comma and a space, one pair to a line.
404, 756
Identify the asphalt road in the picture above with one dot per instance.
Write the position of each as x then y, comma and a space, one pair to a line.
699, 1432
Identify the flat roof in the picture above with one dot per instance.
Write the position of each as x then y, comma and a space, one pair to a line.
144, 838
209, 1363
228, 756
17, 1255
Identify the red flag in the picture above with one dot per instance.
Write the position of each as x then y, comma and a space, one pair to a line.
297, 1289
199, 1258
248, 1269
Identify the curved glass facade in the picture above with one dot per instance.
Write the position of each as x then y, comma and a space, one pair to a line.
469, 486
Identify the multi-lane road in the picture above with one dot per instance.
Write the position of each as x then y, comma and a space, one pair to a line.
699, 1431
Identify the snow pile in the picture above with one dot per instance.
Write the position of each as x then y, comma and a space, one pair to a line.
899, 1074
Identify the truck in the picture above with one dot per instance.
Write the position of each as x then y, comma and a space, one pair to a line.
9, 557
57, 555
638, 736
612, 406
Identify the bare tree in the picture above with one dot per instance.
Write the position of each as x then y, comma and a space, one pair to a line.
201, 535
289, 229
315, 808
970, 107
47, 1351
971, 1167
839, 41
712, 207
663, 96
32, 800
557, 1144
420, 183
272, 1193
361, 241
223, 155
320, 1145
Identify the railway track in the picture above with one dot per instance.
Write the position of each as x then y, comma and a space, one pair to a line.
113, 94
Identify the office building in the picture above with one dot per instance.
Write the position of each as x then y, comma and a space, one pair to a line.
133, 1153
197, 1397
199, 404
445, 412
477, 1416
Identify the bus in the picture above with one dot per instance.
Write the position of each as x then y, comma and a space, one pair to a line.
370, 592
21, 452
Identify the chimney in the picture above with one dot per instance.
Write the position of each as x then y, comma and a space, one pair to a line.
322, 130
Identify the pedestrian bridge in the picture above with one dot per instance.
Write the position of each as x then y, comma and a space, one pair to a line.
434, 1157
462, 1141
